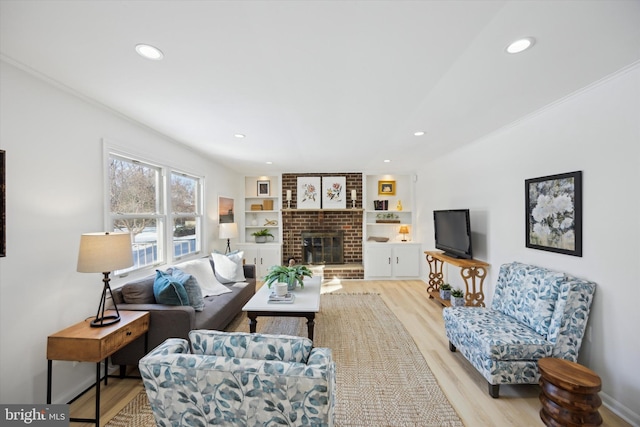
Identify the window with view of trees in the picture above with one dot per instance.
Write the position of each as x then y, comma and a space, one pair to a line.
139, 202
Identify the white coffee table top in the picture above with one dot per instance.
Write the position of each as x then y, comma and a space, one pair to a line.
307, 299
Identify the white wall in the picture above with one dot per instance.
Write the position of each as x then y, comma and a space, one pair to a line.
596, 131
54, 164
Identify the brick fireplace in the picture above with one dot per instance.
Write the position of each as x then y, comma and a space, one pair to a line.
347, 222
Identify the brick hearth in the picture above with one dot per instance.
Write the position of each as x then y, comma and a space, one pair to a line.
350, 222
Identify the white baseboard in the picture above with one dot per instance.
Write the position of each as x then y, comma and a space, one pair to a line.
620, 410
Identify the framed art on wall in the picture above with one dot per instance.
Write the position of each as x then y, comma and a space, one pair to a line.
554, 213
333, 192
225, 210
264, 188
387, 188
3, 248
308, 192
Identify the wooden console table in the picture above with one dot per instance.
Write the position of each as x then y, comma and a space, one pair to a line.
473, 273
83, 343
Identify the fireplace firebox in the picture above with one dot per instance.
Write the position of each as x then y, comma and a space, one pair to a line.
322, 247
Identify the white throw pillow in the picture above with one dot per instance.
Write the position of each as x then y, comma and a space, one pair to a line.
202, 271
228, 268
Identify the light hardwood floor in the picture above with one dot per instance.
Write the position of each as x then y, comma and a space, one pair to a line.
465, 388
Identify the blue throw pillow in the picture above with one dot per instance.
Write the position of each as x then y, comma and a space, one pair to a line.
191, 285
168, 290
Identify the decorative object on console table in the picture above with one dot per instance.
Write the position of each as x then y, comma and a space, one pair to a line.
554, 213
333, 192
104, 253
457, 298
264, 188
228, 231
387, 188
445, 291
308, 188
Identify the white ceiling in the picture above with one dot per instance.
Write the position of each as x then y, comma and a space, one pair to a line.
322, 85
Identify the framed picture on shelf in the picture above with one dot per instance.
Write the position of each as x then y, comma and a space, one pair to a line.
387, 188
309, 192
264, 188
225, 210
333, 192
554, 213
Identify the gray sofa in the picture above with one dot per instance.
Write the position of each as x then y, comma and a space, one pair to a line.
175, 321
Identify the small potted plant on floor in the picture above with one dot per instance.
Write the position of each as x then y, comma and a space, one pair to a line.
291, 275
261, 235
457, 298
445, 291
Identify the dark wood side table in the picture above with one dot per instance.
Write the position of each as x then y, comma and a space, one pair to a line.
83, 343
569, 394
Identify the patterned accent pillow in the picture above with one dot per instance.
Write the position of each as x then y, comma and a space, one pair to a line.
169, 291
194, 293
528, 294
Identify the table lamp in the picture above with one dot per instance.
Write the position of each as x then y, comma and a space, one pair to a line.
228, 230
103, 253
404, 230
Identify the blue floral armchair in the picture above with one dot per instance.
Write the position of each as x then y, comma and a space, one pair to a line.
535, 313
240, 379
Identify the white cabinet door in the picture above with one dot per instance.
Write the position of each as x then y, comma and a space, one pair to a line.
263, 256
388, 260
378, 261
406, 261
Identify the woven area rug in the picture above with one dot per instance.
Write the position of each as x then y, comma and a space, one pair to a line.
382, 378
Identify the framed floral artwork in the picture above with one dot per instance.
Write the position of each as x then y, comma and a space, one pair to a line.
333, 192
387, 188
309, 192
554, 213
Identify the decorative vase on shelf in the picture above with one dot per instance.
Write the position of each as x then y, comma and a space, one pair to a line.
399, 205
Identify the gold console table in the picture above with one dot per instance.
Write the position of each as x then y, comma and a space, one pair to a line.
473, 273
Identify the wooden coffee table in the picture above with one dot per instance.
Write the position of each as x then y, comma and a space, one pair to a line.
306, 304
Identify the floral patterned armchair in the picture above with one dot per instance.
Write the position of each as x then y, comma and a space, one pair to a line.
535, 313
239, 379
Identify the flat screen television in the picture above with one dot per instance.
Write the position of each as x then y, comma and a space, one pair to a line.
453, 232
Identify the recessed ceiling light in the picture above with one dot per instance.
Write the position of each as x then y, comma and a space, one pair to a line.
419, 133
387, 161
149, 52
269, 163
239, 135
520, 45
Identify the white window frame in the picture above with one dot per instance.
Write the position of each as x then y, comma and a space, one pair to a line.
165, 215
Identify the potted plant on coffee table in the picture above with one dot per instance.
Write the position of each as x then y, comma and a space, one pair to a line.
292, 276
457, 298
445, 291
261, 235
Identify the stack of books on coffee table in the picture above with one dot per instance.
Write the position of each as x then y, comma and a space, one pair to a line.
287, 298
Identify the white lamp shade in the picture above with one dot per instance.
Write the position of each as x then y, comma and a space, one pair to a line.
228, 230
104, 252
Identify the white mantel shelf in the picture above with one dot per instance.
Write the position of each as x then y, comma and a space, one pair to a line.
323, 210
